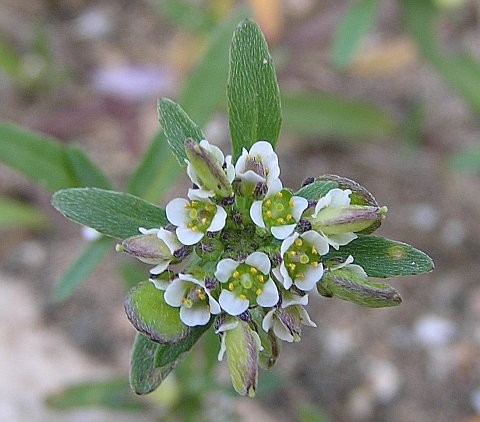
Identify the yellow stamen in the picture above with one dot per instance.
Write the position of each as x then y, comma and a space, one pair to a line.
201, 296
280, 220
298, 242
236, 274
242, 296
314, 251
300, 276
210, 207
279, 195
291, 203
261, 278
190, 225
258, 292
193, 203
230, 286
268, 202
195, 228
253, 270
314, 264
289, 217
292, 266
269, 214
203, 220
292, 254
187, 205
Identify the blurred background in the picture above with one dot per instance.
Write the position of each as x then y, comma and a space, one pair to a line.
385, 92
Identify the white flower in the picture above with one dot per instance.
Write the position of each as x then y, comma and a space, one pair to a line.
279, 212
335, 198
247, 282
287, 319
260, 164
194, 218
301, 260
354, 268
195, 301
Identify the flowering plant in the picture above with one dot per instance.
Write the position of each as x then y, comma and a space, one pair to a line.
243, 255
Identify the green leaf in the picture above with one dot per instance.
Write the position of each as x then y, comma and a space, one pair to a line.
205, 85
383, 258
111, 213
10, 61
147, 311
252, 91
156, 173
320, 114
81, 268
353, 25
144, 376
19, 215
85, 172
41, 159
316, 190
112, 394
177, 127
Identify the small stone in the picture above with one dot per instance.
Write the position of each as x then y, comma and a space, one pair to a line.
433, 331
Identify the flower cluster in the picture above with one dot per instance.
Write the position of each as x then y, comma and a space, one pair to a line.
248, 252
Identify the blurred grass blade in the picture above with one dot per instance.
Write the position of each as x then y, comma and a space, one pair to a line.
112, 394
205, 86
81, 268
19, 215
384, 258
252, 91
319, 114
39, 158
157, 171
353, 25
466, 160
85, 172
462, 72
111, 213
10, 61
177, 127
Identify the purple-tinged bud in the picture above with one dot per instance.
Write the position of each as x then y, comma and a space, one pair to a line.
146, 247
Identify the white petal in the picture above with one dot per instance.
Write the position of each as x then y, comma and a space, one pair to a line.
287, 243
274, 185
232, 304
317, 240
160, 268
252, 177
223, 349
299, 205
188, 277
291, 299
341, 239
197, 315
278, 275
148, 231
260, 261
322, 203
200, 194
228, 324
311, 276
267, 322
218, 221
170, 240
287, 280
188, 236
340, 198
305, 318
214, 305
214, 150
269, 296
357, 270
175, 292
262, 148
160, 284
230, 170
282, 332
225, 269
177, 214
282, 232
241, 162
256, 214
191, 172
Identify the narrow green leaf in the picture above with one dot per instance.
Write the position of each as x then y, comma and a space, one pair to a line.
85, 172
81, 268
156, 173
383, 258
354, 24
144, 376
112, 394
10, 61
316, 190
41, 159
320, 114
18, 215
177, 127
111, 213
205, 85
147, 311
252, 90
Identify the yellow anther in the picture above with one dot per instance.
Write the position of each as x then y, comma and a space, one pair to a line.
209, 207
304, 259
291, 203
314, 251
261, 278
195, 228
268, 202
292, 266
236, 274
289, 217
203, 220
314, 264
279, 195
193, 203
258, 292
280, 220
292, 254
187, 205
201, 296
269, 214
298, 242
253, 270
242, 296
300, 276
190, 225
230, 286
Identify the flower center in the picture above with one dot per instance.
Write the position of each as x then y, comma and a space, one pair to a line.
299, 257
255, 164
193, 296
200, 215
247, 282
277, 210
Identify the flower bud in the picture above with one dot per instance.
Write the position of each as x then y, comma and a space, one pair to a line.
207, 169
146, 247
348, 285
354, 218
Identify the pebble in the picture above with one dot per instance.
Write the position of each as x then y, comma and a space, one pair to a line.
433, 330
